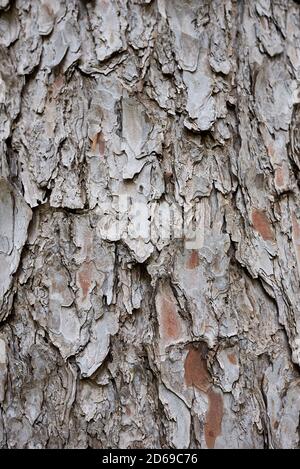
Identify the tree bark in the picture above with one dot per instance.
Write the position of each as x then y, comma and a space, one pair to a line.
149, 224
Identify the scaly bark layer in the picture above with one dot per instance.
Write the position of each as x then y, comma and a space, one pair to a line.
113, 333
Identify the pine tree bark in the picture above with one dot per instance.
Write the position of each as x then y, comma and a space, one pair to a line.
149, 224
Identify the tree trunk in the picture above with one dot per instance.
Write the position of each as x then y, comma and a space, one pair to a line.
149, 224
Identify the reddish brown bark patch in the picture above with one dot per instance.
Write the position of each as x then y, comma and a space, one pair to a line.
57, 85
169, 320
193, 260
85, 279
214, 417
98, 140
262, 225
279, 177
94, 142
271, 151
171, 325
195, 370
276, 424
232, 358
196, 374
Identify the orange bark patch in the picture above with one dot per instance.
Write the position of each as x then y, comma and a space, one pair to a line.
101, 144
94, 142
196, 374
169, 320
262, 225
98, 140
214, 417
195, 370
232, 358
193, 260
85, 279
171, 325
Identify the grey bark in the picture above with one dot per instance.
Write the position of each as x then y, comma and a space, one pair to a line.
115, 338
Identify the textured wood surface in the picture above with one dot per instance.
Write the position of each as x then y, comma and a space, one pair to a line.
149, 224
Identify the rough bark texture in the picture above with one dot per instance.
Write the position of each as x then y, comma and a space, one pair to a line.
117, 337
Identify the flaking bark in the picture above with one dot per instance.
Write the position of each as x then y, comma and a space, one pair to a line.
114, 334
